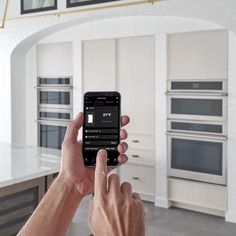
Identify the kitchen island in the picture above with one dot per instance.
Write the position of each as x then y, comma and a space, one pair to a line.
25, 175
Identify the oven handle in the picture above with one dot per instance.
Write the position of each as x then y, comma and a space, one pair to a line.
61, 123
59, 87
208, 136
184, 93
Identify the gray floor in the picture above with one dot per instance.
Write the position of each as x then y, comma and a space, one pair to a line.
163, 222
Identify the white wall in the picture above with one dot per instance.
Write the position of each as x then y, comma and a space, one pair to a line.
31, 98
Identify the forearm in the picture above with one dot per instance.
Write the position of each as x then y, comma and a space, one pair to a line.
55, 211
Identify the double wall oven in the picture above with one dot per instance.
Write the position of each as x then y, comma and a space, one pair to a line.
197, 130
54, 110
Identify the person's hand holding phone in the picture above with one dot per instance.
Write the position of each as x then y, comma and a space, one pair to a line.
73, 168
114, 209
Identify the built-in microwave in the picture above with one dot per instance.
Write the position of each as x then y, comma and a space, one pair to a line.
189, 106
196, 157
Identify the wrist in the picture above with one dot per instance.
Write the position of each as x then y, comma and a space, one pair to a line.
68, 184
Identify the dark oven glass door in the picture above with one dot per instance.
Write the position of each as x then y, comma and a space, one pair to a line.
197, 107
51, 136
198, 159
217, 87
60, 98
198, 127
57, 115
198, 156
67, 81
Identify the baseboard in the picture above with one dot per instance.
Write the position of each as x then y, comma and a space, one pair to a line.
162, 202
198, 208
147, 197
230, 217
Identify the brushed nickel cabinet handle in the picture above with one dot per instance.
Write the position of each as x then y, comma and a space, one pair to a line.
135, 156
135, 141
135, 178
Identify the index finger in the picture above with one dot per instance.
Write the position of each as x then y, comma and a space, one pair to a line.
100, 185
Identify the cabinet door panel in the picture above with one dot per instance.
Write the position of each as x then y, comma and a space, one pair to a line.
140, 177
55, 59
99, 62
136, 81
198, 55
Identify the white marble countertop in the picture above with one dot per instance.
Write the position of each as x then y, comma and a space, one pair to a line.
19, 163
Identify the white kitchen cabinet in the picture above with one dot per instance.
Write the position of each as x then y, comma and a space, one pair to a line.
99, 65
198, 196
128, 66
198, 55
55, 60
141, 177
136, 81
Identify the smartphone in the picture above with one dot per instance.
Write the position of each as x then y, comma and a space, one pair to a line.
101, 128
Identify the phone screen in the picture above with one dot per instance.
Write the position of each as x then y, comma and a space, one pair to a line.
101, 126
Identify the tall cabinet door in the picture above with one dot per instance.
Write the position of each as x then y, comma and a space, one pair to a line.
99, 65
136, 83
136, 74
198, 55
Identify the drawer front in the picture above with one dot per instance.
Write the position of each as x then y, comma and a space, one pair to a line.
141, 156
140, 177
141, 141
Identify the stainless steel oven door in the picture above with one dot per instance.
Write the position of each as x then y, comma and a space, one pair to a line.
197, 158
59, 98
197, 127
197, 107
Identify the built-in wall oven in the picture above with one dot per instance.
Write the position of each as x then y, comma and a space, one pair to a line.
197, 157
197, 130
54, 110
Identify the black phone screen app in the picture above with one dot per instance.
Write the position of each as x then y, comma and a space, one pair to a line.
101, 128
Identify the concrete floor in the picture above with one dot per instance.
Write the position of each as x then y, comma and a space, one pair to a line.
165, 222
